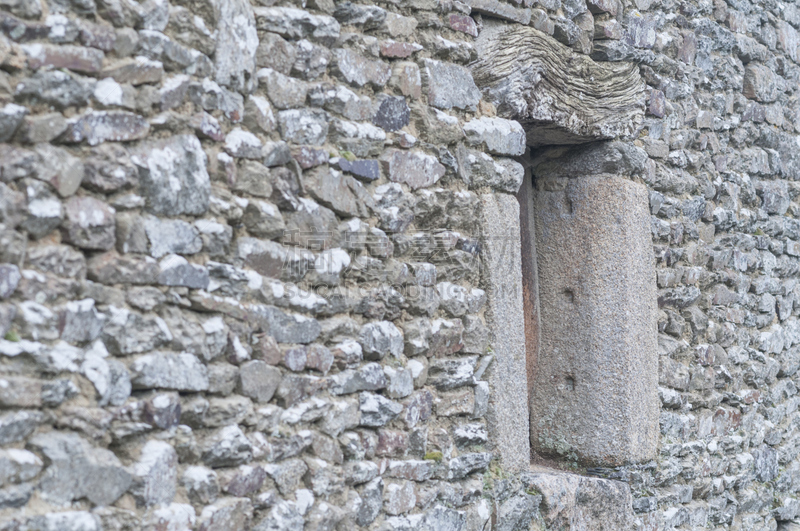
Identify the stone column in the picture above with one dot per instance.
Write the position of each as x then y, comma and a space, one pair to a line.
594, 394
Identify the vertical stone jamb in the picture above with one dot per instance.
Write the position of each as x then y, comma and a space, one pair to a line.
507, 377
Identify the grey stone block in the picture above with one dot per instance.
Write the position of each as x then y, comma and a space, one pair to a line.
167, 370
594, 391
89, 223
450, 86
572, 502
235, 54
155, 474
173, 176
507, 413
258, 380
76, 469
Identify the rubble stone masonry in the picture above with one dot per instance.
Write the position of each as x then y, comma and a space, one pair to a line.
260, 264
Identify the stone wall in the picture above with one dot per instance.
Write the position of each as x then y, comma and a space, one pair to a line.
259, 265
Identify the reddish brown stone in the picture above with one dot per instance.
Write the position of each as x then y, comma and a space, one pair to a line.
309, 157
657, 105
446, 338
346, 357
97, 36
418, 407
607, 29
319, 358
77, 58
135, 71
406, 78
463, 23
399, 50
688, 48
750, 396
267, 349
391, 443
726, 421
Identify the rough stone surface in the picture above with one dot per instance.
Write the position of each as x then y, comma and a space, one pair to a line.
201, 484
359, 70
163, 370
414, 168
10, 119
341, 193
370, 377
171, 236
303, 126
479, 169
392, 114
223, 224
572, 502
89, 223
55, 87
136, 71
379, 339
155, 474
97, 127
177, 271
59, 168
9, 280
78, 470
450, 86
508, 414
295, 24
236, 45
501, 10
76, 58
377, 410
227, 447
612, 338
258, 380
501, 137
174, 177
548, 95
